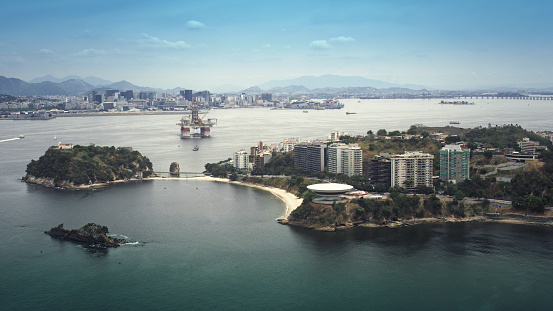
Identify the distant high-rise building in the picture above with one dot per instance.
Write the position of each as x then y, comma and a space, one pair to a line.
454, 163
110, 92
129, 94
267, 96
204, 94
109, 105
98, 98
241, 160
345, 159
310, 156
412, 169
335, 136
187, 94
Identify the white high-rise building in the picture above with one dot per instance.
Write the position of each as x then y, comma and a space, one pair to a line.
412, 169
335, 136
241, 160
345, 159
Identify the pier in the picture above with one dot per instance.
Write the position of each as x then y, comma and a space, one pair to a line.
180, 175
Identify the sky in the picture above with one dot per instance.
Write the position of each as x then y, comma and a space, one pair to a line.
205, 44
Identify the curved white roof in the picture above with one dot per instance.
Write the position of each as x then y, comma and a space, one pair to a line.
330, 188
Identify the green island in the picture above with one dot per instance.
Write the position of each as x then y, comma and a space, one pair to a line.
87, 166
529, 192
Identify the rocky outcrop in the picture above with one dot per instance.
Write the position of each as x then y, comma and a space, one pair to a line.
91, 233
49, 182
174, 169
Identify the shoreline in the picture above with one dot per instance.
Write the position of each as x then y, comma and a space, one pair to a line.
514, 219
290, 200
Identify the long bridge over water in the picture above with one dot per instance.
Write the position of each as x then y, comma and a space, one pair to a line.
523, 97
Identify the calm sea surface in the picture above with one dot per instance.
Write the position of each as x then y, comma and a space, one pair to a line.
207, 245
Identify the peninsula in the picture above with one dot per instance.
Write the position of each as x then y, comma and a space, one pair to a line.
508, 178
79, 167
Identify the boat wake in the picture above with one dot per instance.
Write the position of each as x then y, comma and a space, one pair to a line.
10, 139
131, 243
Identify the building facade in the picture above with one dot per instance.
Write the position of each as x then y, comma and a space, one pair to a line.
411, 169
335, 136
528, 146
345, 159
310, 156
241, 160
379, 171
454, 163
262, 158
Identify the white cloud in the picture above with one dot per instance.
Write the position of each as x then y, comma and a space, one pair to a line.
266, 46
154, 42
46, 51
195, 25
342, 39
320, 45
85, 34
86, 52
10, 59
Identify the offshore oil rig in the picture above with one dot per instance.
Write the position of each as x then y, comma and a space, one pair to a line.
192, 126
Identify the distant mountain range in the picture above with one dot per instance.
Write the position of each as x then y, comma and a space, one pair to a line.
17, 87
324, 85
312, 82
95, 81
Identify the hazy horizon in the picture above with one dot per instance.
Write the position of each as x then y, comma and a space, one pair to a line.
203, 45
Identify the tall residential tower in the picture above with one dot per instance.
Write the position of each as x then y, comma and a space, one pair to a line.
454, 163
345, 159
412, 169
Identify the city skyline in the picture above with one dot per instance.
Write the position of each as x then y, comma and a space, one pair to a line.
245, 43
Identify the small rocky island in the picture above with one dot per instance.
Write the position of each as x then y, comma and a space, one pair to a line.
90, 233
174, 169
87, 166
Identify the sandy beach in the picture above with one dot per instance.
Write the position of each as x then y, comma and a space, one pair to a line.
291, 200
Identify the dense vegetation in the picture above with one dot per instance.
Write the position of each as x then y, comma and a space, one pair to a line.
398, 206
221, 169
89, 164
502, 136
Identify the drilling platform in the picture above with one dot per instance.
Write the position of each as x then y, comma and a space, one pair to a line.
194, 126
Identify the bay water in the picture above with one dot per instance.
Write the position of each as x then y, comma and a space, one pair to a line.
207, 245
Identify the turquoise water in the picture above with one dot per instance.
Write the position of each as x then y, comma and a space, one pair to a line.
207, 245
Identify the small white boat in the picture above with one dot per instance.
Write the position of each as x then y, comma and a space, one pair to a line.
55, 138
21, 136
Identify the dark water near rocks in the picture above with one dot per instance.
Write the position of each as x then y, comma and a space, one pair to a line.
206, 245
